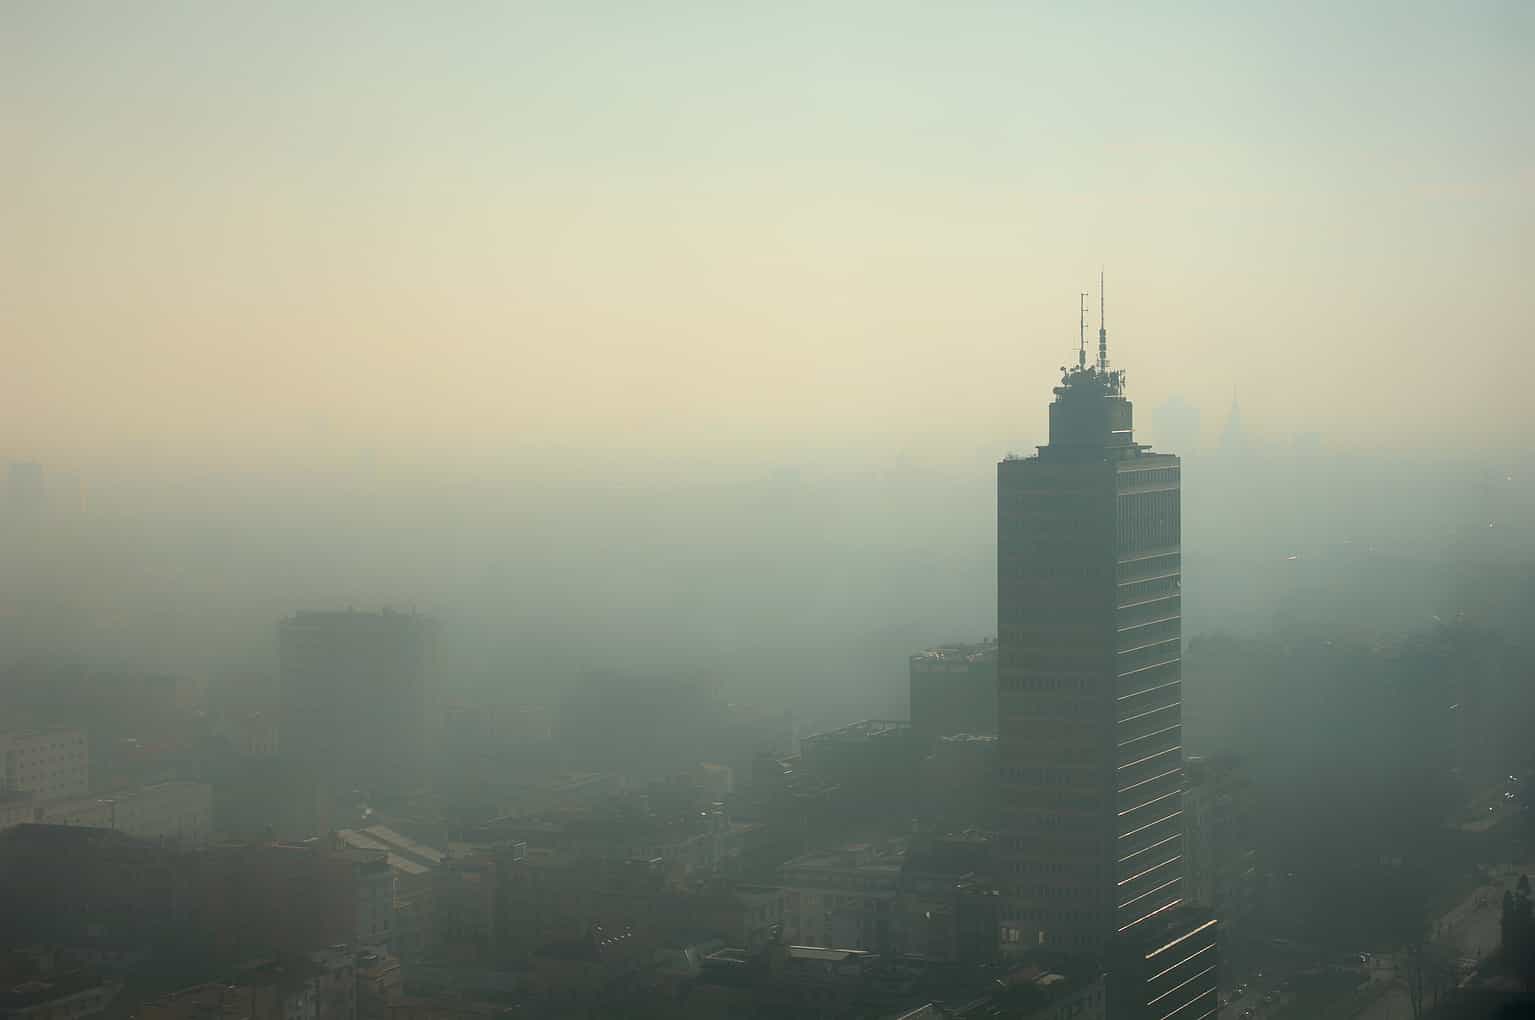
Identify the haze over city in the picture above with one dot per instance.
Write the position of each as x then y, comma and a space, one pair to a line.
487, 422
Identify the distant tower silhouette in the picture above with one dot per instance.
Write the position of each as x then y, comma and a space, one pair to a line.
1233, 436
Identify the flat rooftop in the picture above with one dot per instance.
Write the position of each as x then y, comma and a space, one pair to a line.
957, 654
863, 730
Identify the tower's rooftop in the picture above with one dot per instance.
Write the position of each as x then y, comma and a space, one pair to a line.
1090, 381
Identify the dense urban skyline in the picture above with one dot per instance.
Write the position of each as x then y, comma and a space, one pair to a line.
550, 510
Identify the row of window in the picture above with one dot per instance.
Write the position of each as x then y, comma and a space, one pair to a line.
1147, 633
1045, 867
1150, 720
1068, 753
816, 880
1133, 683
1048, 682
1067, 658
1022, 844
1069, 917
1168, 649
1034, 634
1019, 518
1148, 520
1084, 496
1052, 776
1147, 567
1164, 608
1062, 821
1140, 703
1150, 745
1142, 591
1148, 477
1038, 893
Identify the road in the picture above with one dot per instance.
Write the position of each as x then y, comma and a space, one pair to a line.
1471, 927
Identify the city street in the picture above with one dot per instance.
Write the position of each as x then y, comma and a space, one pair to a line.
1471, 927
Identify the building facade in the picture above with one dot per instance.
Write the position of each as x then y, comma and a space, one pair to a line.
414, 866
48, 764
1167, 968
845, 898
1219, 821
89, 812
355, 697
176, 812
1090, 756
954, 690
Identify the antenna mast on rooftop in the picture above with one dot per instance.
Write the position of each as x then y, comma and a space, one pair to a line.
1103, 334
1082, 334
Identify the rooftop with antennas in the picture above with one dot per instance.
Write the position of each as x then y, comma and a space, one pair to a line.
1090, 414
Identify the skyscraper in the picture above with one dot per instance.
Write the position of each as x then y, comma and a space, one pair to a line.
355, 697
1089, 673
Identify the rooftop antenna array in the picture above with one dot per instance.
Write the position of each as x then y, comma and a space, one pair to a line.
1082, 334
1103, 334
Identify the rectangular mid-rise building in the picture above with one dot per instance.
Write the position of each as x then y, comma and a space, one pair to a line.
356, 704
48, 764
954, 690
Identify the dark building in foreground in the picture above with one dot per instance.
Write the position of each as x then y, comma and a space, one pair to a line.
355, 705
954, 690
1090, 755
1166, 969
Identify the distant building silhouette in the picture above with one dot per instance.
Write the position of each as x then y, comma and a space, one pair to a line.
355, 698
1234, 441
1089, 675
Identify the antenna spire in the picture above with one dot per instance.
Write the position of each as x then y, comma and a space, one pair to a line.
1082, 333
1103, 334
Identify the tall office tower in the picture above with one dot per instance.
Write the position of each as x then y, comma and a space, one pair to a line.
1088, 677
1166, 968
355, 703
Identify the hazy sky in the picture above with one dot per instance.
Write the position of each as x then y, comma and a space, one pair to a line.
279, 233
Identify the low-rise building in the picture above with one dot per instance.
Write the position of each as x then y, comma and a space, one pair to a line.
15, 808
87, 812
1061, 988
870, 757
176, 812
844, 898
74, 886
688, 847
466, 894
413, 866
949, 898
